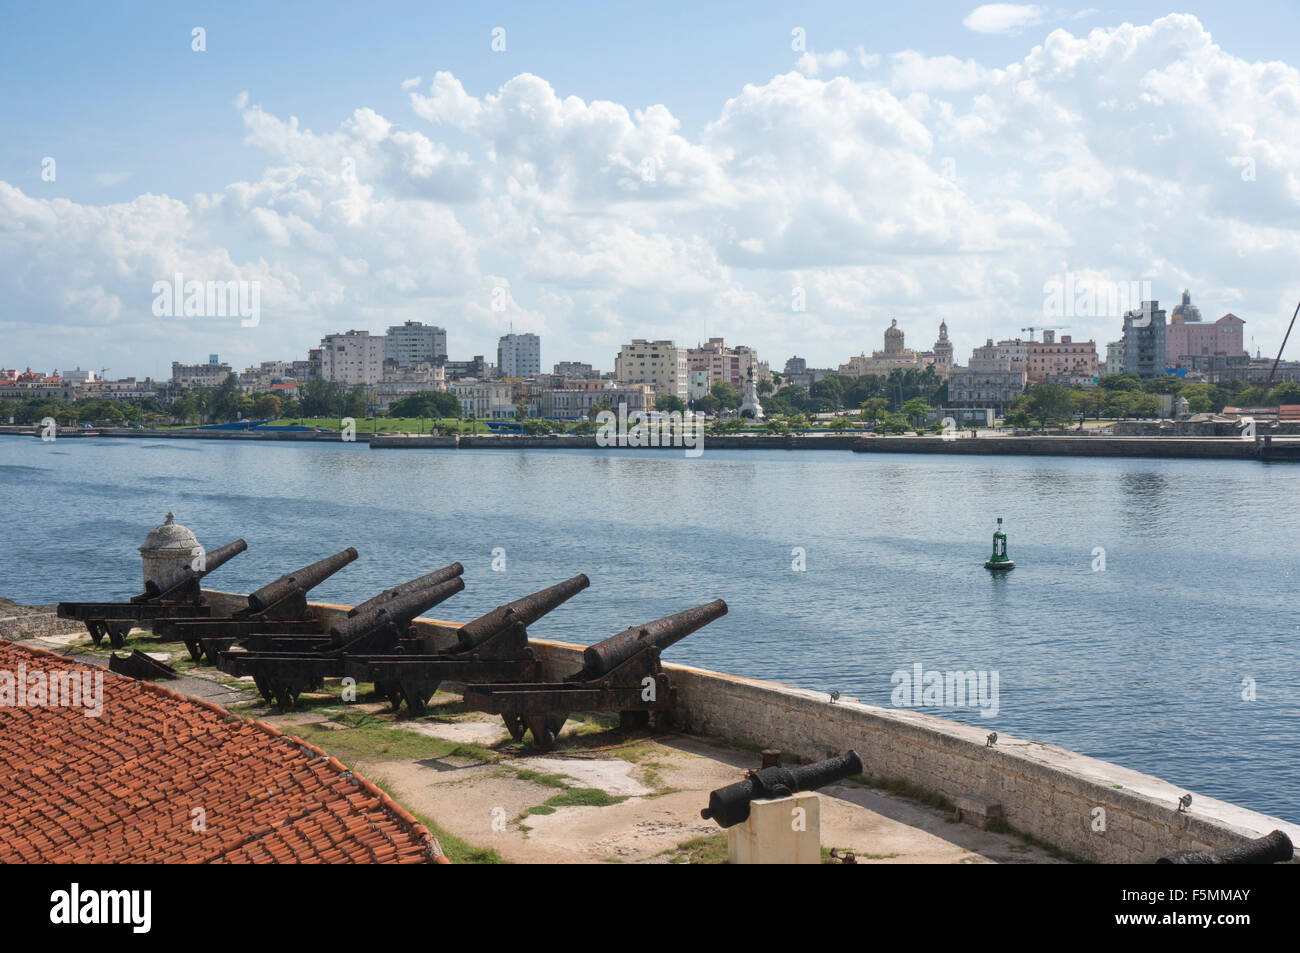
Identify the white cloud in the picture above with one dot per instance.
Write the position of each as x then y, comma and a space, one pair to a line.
1004, 17
954, 190
813, 64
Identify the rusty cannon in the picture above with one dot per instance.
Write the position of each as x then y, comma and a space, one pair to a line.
182, 598
729, 806
324, 641
1274, 848
621, 674
281, 676
492, 648
279, 607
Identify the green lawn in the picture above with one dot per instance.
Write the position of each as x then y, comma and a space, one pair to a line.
386, 424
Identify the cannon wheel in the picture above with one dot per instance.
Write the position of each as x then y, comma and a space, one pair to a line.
634, 720
515, 725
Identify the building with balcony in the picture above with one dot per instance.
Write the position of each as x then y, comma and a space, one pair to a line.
355, 357
660, 364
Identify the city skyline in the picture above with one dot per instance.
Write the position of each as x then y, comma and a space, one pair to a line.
481, 190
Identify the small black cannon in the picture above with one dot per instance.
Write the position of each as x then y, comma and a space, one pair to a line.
1274, 848
729, 806
281, 676
279, 607
182, 598
620, 674
492, 648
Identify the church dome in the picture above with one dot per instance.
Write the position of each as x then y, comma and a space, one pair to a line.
170, 535
893, 331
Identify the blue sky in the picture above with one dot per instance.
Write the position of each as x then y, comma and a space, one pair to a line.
127, 109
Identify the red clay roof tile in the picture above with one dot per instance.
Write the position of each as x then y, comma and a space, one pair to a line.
132, 784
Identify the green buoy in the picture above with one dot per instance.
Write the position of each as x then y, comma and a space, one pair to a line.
999, 562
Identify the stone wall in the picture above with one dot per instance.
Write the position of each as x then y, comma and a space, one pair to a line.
1079, 446
1045, 791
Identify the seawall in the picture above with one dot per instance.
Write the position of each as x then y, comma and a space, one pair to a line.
588, 442
1045, 791
1201, 448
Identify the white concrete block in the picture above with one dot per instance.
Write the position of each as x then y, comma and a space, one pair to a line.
782, 831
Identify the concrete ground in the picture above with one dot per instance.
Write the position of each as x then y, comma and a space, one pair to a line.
654, 788
601, 796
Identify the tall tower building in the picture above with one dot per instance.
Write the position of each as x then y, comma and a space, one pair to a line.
943, 351
519, 355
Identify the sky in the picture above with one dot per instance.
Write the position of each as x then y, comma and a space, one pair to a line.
788, 176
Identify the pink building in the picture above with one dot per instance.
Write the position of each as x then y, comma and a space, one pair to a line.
1189, 342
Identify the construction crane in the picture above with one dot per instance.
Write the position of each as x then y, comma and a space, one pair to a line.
1269, 386
1045, 327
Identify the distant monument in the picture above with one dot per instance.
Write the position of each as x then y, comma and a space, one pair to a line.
750, 407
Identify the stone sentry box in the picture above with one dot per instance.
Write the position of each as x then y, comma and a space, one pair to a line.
167, 551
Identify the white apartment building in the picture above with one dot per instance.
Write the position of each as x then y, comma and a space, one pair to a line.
486, 400
519, 355
575, 403
356, 357
211, 374
661, 364
415, 343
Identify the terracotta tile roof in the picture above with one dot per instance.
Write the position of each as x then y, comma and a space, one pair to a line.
124, 786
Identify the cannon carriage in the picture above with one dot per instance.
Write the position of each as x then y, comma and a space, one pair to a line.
384, 627
620, 674
492, 648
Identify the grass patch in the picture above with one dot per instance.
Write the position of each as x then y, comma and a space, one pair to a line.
537, 777
585, 797
857, 855
709, 849
372, 739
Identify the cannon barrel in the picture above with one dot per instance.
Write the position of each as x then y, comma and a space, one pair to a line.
302, 580
606, 656
211, 560
526, 610
1274, 848
730, 805
397, 612
442, 575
